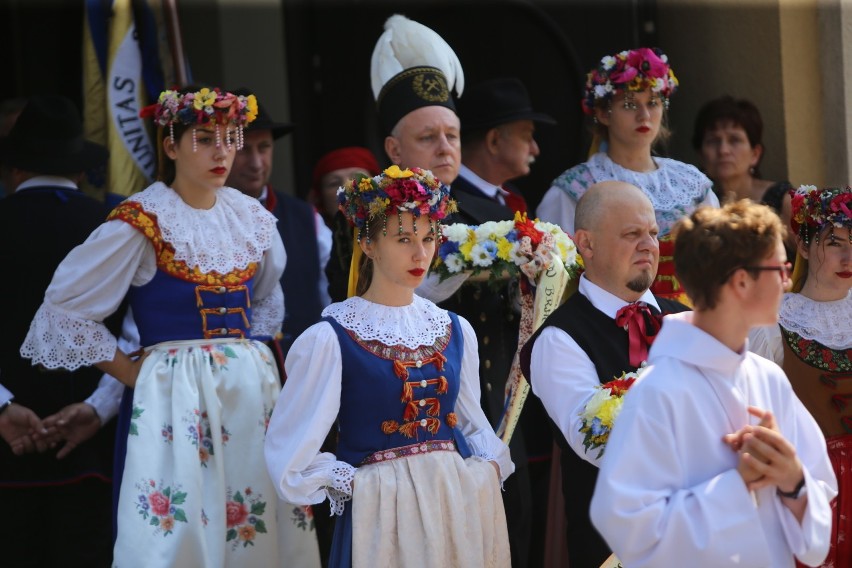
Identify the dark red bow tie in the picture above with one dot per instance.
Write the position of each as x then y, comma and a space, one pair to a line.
642, 328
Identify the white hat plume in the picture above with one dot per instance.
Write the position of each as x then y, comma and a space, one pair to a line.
405, 44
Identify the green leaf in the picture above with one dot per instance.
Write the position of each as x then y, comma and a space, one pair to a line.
167, 491
137, 412
155, 521
133, 431
258, 508
229, 352
238, 497
179, 498
232, 534
260, 526
180, 515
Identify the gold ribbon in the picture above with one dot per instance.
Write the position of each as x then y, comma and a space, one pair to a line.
353, 264
553, 287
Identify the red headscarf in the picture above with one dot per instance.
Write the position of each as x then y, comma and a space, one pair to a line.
348, 157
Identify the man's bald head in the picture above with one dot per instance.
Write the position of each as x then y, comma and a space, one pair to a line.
616, 234
604, 196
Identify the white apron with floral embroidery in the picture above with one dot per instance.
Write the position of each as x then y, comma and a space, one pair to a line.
195, 490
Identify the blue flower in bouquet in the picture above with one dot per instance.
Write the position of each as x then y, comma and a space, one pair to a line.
598, 428
447, 248
602, 410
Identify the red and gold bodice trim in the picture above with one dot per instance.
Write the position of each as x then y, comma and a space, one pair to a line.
419, 413
146, 223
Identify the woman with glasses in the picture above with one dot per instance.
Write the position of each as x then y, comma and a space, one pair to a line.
813, 341
627, 97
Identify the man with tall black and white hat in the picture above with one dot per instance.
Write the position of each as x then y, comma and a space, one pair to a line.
55, 458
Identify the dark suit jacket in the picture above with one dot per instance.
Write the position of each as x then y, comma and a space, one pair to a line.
38, 228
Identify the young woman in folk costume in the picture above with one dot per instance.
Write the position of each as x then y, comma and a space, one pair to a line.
416, 455
627, 96
200, 265
813, 341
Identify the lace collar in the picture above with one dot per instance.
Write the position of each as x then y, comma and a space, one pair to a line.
672, 184
829, 323
233, 233
418, 324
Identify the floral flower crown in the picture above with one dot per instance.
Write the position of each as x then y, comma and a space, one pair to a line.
634, 70
815, 209
207, 107
411, 190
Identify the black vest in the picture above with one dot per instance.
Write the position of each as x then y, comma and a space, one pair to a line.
302, 304
607, 346
38, 228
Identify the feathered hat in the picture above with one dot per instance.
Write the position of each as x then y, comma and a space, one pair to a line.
412, 67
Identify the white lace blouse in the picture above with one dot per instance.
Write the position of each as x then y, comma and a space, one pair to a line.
829, 323
674, 188
90, 283
310, 401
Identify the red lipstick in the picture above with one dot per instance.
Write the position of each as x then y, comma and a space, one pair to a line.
219, 171
643, 129
844, 274
416, 271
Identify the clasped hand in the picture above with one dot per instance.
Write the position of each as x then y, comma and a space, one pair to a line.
766, 457
25, 432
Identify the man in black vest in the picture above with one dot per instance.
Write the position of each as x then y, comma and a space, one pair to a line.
55, 458
306, 238
600, 333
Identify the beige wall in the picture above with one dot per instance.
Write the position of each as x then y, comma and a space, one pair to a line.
784, 55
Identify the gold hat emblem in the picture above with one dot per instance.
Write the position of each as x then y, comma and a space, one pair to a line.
431, 87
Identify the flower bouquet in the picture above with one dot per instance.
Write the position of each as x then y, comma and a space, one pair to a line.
603, 408
505, 248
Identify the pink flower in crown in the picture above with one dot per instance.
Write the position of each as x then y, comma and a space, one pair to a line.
842, 203
623, 75
646, 61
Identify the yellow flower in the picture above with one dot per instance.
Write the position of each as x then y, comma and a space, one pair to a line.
366, 184
608, 411
466, 248
394, 172
504, 249
251, 108
198, 101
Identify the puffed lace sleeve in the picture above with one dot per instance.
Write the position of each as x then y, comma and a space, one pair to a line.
306, 410
88, 286
267, 312
766, 341
474, 425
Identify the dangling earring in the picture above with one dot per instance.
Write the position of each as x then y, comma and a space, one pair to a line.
751, 170
194, 141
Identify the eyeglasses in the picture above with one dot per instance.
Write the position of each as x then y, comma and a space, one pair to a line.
785, 270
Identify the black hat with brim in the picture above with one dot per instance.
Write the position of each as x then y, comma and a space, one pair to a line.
410, 90
497, 102
47, 138
263, 120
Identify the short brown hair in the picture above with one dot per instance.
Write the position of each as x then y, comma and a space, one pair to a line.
712, 243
